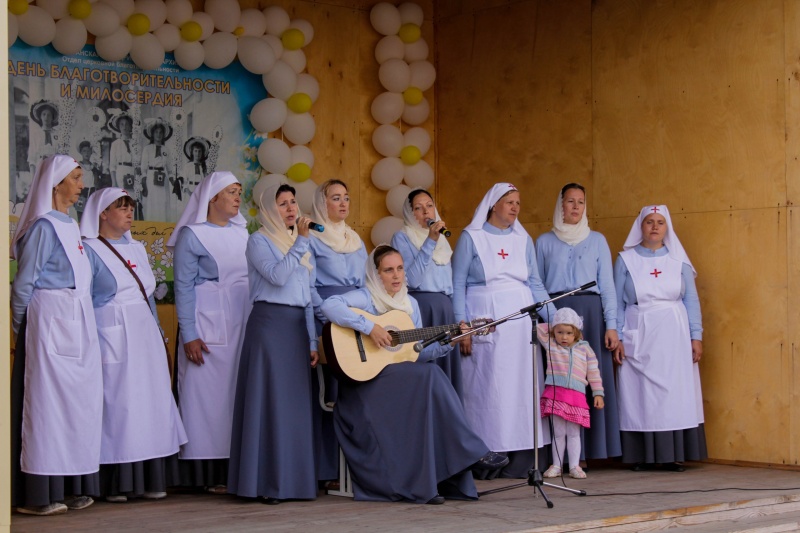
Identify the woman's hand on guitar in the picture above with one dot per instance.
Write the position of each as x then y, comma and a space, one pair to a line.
314, 358
380, 336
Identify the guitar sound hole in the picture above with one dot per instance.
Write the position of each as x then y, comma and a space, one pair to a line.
395, 338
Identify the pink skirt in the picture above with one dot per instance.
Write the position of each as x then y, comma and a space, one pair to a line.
567, 403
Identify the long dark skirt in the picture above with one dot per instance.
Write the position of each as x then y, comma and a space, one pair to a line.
664, 446
436, 309
406, 437
272, 444
136, 478
326, 444
30, 490
602, 439
201, 473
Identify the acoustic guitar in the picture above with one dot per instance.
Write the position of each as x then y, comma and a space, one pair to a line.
353, 356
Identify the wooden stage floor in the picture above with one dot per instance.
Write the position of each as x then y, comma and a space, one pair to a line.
617, 500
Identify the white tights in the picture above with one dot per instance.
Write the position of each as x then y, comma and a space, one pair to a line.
571, 432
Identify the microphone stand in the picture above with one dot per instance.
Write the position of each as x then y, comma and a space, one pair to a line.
535, 479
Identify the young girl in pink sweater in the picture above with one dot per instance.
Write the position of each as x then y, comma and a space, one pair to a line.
571, 364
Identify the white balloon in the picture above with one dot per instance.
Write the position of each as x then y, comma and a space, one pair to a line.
255, 54
253, 22
58, 9
305, 27
419, 175
156, 11
385, 18
103, 20
387, 140
206, 24
281, 80
410, 13
295, 59
274, 43
416, 51
307, 84
36, 26
189, 56
302, 154
388, 173
423, 74
384, 229
226, 14
115, 46
416, 114
169, 36
394, 75
305, 194
178, 11
277, 20
70, 36
13, 29
390, 47
268, 115
299, 128
124, 8
220, 49
387, 107
395, 198
147, 52
275, 156
418, 137
264, 183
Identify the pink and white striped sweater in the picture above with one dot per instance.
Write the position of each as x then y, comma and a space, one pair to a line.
570, 367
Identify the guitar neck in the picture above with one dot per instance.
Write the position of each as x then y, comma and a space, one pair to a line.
414, 335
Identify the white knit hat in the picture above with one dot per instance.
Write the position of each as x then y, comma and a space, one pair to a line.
565, 315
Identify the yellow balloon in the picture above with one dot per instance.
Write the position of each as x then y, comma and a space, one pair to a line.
410, 155
138, 24
412, 96
191, 31
409, 33
18, 7
299, 172
299, 103
80, 9
239, 31
293, 39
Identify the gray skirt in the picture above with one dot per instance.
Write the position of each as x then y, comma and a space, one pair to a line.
664, 446
136, 478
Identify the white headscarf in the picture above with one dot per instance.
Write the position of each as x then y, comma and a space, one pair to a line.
566, 315
417, 235
671, 241
571, 234
340, 237
196, 211
383, 302
96, 204
273, 226
490, 198
49, 173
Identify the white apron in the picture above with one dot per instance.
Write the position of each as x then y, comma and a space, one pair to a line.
658, 384
140, 418
206, 393
498, 376
62, 409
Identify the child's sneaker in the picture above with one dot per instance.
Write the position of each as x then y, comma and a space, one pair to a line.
553, 471
577, 472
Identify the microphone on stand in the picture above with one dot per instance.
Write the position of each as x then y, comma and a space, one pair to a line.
421, 345
444, 231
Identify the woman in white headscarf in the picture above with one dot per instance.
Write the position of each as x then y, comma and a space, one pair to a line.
494, 275
142, 430
569, 256
57, 372
660, 400
429, 273
213, 302
272, 443
404, 433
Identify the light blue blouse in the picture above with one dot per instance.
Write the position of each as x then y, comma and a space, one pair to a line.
334, 269
42, 264
468, 271
422, 274
626, 292
336, 309
193, 265
564, 267
280, 279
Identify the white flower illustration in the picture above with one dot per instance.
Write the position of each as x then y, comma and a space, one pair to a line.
152, 260
158, 246
160, 274
161, 291
166, 259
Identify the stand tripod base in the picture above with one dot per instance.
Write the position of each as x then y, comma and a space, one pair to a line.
535, 480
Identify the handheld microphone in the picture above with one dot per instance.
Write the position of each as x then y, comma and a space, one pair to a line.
316, 227
444, 231
421, 345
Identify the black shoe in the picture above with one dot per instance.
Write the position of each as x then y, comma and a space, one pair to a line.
640, 467
674, 467
436, 500
491, 461
270, 501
